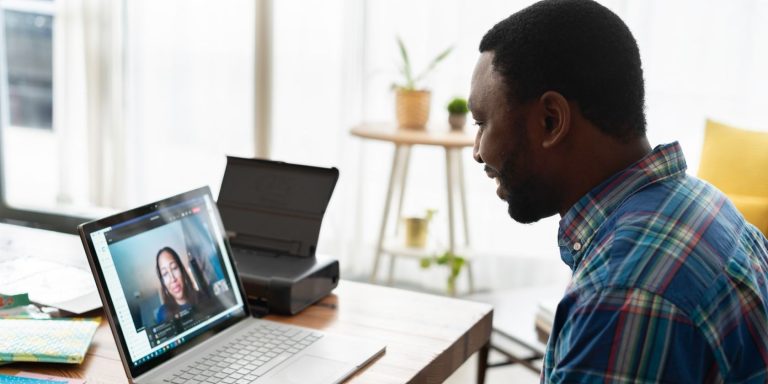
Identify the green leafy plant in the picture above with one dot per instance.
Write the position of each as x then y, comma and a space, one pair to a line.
411, 82
458, 106
451, 260
430, 214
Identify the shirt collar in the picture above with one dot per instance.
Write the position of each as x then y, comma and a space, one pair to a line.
580, 223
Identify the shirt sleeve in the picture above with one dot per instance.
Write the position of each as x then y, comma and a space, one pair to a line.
161, 314
627, 336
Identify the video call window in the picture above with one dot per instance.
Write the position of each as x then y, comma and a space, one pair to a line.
172, 275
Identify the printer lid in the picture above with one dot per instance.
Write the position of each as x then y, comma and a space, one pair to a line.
275, 206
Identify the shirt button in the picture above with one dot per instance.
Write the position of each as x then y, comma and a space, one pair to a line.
577, 246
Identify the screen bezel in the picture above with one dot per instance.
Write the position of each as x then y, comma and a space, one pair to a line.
85, 230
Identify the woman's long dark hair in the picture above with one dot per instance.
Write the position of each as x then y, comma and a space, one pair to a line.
189, 291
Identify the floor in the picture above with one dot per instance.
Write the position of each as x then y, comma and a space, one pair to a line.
467, 374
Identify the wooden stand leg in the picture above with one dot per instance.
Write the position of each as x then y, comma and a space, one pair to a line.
391, 271
403, 177
449, 173
463, 196
470, 277
464, 216
455, 179
406, 153
397, 161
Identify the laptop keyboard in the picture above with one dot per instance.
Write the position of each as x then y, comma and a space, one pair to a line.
246, 359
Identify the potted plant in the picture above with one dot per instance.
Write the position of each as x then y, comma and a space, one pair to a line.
412, 101
417, 228
451, 260
457, 113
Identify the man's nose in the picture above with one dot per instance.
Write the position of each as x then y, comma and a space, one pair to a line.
476, 149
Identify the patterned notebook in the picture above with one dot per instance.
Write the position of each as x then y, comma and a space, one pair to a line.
5, 379
53, 341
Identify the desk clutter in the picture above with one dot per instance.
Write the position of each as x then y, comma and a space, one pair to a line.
51, 341
28, 333
48, 266
33, 378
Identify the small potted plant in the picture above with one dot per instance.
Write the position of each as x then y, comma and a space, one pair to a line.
451, 260
457, 113
417, 228
412, 101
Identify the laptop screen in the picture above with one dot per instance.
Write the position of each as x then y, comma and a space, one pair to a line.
168, 275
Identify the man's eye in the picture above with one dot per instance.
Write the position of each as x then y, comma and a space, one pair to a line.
480, 124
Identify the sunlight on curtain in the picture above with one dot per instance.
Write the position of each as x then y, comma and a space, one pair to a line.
335, 63
701, 59
189, 99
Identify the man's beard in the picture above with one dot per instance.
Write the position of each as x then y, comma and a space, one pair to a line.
528, 198
525, 203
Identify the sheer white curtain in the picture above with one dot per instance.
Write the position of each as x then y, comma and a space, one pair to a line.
81, 156
701, 59
104, 58
149, 98
189, 76
70, 99
335, 62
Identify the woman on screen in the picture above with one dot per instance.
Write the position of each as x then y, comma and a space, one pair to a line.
179, 296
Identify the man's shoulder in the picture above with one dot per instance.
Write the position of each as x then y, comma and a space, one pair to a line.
683, 216
672, 238
680, 196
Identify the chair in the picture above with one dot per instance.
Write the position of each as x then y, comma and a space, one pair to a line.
736, 161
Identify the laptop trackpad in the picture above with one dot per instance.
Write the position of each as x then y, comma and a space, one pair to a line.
312, 369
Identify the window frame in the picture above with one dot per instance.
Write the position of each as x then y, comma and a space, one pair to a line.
55, 221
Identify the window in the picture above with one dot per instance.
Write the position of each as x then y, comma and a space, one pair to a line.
29, 62
28, 137
107, 105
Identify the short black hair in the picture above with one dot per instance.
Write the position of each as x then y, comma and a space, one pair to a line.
580, 49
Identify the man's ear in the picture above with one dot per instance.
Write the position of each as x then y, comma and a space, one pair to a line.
556, 119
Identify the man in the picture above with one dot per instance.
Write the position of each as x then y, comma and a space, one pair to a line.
669, 282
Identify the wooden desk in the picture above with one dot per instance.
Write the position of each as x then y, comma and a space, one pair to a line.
428, 337
453, 142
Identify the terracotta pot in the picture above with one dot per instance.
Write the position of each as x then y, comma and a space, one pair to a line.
457, 121
412, 108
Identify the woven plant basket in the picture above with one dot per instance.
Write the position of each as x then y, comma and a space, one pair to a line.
412, 108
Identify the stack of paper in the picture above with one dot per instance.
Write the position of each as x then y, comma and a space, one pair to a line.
545, 318
49, 266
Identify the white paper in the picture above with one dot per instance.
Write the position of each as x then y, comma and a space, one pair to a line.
50, 266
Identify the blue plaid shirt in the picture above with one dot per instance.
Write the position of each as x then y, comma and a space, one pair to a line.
669, 283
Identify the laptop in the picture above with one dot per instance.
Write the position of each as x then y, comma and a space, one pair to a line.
179, 314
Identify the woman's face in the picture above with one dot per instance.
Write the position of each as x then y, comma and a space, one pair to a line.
171, 274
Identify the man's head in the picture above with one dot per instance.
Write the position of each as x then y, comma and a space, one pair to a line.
553, 81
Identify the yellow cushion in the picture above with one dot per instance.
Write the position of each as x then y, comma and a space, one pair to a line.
736, 161
754, 209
